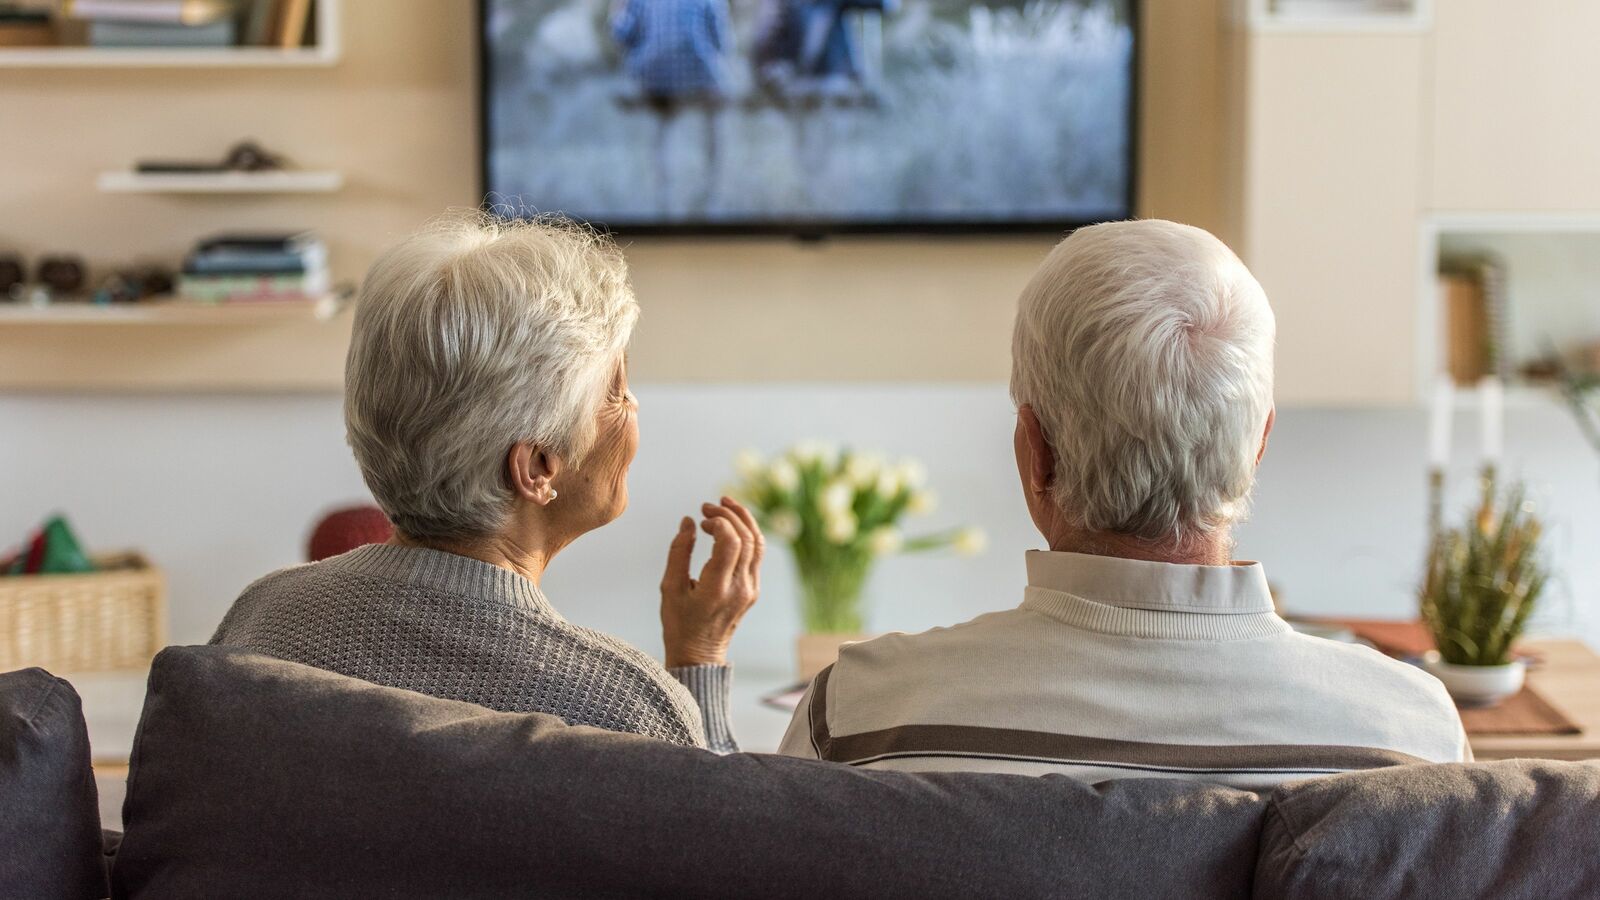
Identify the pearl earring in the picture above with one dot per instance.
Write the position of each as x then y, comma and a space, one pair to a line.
553, 494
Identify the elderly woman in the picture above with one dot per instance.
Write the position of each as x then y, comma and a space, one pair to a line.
487, 402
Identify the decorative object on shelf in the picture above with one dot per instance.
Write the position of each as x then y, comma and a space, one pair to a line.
839, 512
159, 35
63, 279
13, 274
1482, 583
52, 549
164, 12
250, 267
133, 285
245, 156
155, 25
292, 23
24, 27
113, 618
1476, 320
61, 274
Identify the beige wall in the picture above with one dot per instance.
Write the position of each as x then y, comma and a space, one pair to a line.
1330, 199
397, 116
1516, 112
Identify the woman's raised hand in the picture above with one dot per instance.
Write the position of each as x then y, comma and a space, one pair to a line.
698, 616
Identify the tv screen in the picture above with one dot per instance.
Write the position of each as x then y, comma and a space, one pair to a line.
810, 115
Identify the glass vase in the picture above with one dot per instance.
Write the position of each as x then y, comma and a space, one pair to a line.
830, 594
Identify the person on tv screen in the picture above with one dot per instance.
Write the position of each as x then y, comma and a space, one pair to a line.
806, 48
675, 51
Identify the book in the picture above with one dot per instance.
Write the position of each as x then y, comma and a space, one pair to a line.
221, 33
1466, 316
259, 21
293, 16
170, 12
25, 28
234, 288
253, 242
246, 263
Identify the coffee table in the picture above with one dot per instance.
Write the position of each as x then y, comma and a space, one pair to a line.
1570, 680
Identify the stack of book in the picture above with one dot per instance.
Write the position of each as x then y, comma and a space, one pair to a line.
192, 23
232, 268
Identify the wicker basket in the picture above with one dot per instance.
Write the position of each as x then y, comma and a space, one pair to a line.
95, 622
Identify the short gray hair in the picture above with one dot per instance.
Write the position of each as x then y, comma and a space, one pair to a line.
471, 336
1145, 349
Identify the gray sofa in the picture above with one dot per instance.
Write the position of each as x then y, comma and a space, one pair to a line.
256, 777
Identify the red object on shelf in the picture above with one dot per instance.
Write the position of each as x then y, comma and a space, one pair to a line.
344, 530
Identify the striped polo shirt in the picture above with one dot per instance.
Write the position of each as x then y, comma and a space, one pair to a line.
1119, 668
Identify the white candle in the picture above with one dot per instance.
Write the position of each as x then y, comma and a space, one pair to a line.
1444, 400
1493, 398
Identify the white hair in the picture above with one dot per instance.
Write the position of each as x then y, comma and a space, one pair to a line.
1145, 350
471, 336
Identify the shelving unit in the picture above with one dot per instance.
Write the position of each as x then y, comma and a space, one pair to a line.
326, 52
283, 182
177, 312
1552, 263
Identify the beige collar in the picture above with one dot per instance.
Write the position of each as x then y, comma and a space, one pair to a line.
1152, 599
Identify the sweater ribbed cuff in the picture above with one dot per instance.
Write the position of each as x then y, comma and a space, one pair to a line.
710, 687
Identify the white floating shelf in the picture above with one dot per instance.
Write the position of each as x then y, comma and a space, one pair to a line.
1517, 395
1338, 16
176, 312
221, 182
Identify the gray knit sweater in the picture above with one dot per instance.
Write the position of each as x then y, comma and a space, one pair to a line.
453, 627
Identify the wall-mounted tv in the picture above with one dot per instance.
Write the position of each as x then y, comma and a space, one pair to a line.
810, 116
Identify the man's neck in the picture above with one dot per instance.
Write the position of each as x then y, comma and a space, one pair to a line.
1215, 549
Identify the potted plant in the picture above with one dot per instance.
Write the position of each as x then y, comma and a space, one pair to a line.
839, 512
1483, 582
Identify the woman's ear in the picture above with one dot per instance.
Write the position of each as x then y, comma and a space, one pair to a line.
532, 471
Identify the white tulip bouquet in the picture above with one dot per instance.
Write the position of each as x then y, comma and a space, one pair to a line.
839, 513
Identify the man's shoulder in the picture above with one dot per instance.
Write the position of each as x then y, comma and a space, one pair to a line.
1359, 669
897, 648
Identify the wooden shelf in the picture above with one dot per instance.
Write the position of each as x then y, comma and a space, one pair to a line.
289, 182
177, 312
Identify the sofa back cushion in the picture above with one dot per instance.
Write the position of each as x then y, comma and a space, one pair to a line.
49, 809
251, 771
1513, 829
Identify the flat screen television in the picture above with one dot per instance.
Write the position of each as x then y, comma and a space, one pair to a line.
810, 116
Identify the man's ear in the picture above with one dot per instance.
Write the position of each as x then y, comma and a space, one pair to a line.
531, 471
1272, 418
1041, 458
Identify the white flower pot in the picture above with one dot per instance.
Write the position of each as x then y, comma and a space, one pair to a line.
1476, 685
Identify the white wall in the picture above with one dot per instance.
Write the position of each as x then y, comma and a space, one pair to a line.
221, 489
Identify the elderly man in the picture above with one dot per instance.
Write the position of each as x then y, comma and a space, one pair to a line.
1142, 373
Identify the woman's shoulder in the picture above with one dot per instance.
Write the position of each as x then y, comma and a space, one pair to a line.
278, 578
